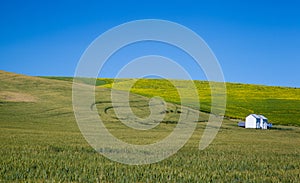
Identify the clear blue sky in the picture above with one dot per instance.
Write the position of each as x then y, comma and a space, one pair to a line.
254, 41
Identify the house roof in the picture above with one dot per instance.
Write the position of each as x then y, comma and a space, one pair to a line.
263, 117
257, 116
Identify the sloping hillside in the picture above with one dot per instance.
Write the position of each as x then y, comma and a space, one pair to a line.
40, 142
280, 104
35, 101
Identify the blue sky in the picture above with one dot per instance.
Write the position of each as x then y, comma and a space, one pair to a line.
254, 41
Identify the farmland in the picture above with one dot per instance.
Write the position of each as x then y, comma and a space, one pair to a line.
40, 140
280, 104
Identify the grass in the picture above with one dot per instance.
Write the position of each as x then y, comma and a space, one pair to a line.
83, 80
279, 104
40, 142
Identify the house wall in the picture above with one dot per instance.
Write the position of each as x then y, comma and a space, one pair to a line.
250, 122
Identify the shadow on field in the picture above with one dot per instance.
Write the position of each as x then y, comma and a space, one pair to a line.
281, 128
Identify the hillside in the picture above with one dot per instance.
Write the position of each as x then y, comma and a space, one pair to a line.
41, 142
280, 104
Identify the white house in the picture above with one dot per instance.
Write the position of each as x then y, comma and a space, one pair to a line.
256, 121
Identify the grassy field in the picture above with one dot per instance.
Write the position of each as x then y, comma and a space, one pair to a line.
40, 142
280, 104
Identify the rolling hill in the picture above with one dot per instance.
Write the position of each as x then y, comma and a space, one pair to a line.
280, 104
41, 142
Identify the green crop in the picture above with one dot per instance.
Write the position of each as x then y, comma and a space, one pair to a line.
279, 104
40, 141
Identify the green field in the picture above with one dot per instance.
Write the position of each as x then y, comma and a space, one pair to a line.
41, 142
279, 104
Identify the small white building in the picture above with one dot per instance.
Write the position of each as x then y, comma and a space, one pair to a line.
256, 121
